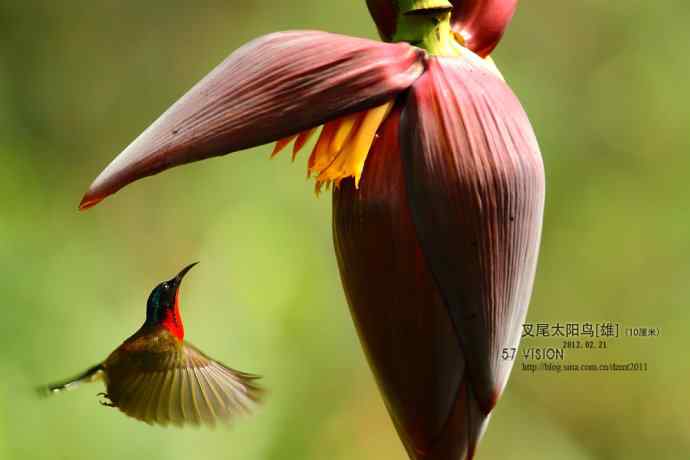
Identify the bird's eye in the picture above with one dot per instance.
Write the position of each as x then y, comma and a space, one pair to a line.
166, 286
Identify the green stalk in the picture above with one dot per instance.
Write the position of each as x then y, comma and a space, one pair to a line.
426, 24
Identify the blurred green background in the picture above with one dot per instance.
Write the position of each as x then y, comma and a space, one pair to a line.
606, 86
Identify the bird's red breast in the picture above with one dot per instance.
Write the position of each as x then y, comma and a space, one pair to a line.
172, 321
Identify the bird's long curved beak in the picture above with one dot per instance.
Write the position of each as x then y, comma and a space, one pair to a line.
178, 279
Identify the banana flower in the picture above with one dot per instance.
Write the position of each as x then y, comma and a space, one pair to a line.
437, 185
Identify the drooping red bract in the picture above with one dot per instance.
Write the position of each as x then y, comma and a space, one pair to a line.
272, 87
475, 180
401, 319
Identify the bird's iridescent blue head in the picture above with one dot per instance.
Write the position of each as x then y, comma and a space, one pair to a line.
163, 306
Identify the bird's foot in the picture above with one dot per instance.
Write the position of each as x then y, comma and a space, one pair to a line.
107, 402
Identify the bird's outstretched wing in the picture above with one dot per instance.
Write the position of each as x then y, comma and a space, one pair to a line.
187, 387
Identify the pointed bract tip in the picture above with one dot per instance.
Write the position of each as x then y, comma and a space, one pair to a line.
88, 202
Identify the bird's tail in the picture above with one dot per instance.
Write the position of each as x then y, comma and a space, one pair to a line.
90, 375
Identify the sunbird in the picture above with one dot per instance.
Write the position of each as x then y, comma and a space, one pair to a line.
157, 377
